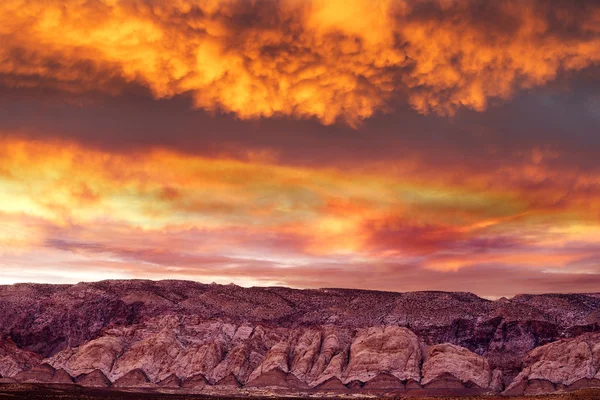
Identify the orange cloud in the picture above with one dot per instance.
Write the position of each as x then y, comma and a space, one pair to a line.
336, 210
462, 62
331, 60
165, 214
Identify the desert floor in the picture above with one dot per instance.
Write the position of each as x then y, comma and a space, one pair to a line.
34, 392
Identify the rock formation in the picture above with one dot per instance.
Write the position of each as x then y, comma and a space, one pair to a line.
565, 363
188, 336
458, 362
194, 382
276, 378
42, 373
14, 360
229, 382
384, 381
388, 349
332, 384
93, 379
135, 378
171, 381
97, 354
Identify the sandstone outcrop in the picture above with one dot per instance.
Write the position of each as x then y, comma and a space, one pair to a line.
376, 350
306, 349
171, 381
445, 381
332, 384
42, 373
95, 379
563, 363
186, 335
98, 354
133, 379
384, 381
154, 353
464, 365
14, 360
195, 382
516, 388
276, 358
62, 376
276, 378
539, 386
497, 381
412, 384
229, 381
583, 384
354, 385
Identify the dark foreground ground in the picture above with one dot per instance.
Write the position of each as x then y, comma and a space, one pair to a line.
35, 392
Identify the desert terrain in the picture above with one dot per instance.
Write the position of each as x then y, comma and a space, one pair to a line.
224, 340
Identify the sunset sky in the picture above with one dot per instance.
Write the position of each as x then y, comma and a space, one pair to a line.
393, 145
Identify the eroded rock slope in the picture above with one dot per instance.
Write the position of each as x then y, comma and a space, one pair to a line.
183, 334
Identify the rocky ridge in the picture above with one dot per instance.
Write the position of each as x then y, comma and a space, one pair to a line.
191, 336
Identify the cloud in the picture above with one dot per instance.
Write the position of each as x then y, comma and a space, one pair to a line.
468, 53
161, 214
406, 235
490, 280
330, 60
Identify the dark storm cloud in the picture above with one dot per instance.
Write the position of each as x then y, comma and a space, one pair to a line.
397, 145
331, 61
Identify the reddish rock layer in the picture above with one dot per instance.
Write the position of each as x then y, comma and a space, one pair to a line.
189, 335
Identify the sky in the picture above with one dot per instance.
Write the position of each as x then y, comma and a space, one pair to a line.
376, 144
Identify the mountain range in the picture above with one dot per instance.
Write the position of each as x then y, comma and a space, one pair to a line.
191, 337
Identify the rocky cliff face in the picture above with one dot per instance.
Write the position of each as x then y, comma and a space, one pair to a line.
568, 363
188, 335
14, 360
